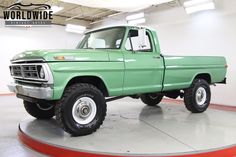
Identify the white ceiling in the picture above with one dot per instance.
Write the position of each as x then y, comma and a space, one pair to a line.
86, 12
118, 5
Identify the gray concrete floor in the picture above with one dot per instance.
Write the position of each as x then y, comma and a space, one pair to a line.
11, 113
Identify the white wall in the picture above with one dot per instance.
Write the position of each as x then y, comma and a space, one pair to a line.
206, 33
15, 40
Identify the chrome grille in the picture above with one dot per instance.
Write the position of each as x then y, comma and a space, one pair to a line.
25, 71
16, 71
30, 71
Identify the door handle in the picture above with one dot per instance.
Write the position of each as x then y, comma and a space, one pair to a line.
156, 57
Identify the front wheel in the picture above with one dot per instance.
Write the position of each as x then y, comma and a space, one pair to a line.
197, 97
39, 110
151, 99
81, 110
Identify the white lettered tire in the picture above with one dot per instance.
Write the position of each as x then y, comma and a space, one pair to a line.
197, 97
81, 110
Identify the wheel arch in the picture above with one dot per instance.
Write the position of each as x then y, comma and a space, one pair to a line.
205, 76
94, 80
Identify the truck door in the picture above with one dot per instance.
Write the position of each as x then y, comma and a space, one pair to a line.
143, 66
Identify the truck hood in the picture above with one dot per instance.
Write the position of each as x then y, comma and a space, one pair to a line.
68, 55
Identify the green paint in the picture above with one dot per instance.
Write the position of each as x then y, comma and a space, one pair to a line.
126, 72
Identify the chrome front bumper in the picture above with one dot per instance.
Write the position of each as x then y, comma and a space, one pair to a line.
34, 92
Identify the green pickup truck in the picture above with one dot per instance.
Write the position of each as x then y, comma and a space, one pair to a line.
108, 64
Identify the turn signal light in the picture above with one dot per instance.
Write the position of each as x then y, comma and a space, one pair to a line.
59, 57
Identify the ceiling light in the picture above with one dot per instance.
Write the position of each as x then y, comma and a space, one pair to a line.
75, 28
137, 21
191, 3
135, 16
198, 5
56, 9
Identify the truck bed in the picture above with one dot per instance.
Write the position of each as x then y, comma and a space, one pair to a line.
180, 70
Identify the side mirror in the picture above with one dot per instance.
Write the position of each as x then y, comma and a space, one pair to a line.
142, 38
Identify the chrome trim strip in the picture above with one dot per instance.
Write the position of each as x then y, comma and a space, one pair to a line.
27, 60
30, 81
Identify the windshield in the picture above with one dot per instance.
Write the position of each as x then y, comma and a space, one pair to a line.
103, 39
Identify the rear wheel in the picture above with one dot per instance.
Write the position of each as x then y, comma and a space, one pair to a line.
151, 99
197, 97
81, 110
39, 110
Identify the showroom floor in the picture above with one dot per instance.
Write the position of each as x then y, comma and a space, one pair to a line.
11, 113
131, 126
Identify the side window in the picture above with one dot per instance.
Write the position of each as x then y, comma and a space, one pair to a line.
118, 42
132, 42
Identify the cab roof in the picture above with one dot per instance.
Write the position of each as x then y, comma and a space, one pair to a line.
124, 25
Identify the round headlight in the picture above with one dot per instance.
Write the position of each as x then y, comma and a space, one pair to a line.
41, 73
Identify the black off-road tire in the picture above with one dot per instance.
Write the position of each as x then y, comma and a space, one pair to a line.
64, 107
39, 111
151, 99
190, 96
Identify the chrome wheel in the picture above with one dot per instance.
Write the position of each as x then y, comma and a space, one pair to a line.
201, 96
84, 110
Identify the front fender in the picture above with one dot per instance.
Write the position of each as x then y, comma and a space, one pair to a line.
63, 72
